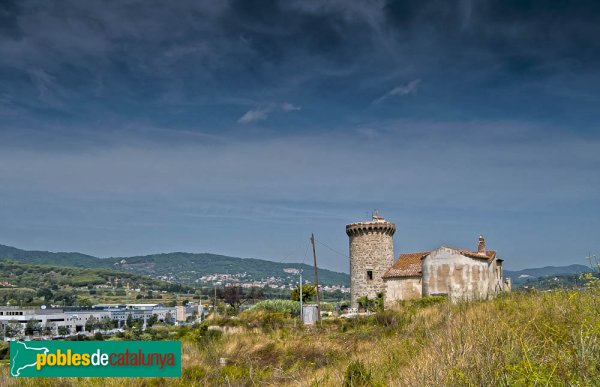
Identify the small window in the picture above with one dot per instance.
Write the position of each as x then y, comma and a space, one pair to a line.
370, 275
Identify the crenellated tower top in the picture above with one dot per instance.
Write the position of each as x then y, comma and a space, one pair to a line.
377, 224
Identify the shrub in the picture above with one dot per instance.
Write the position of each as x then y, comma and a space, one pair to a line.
285, 307
357, 375
428, 301
267, 320
392, 319
194, 373
3, 351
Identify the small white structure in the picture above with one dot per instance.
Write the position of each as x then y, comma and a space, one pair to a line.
310, 314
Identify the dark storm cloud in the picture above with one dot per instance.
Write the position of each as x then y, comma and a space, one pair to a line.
181, 52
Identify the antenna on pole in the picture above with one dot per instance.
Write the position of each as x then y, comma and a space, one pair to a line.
312, 239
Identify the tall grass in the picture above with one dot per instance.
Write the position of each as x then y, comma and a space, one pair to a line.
517, 339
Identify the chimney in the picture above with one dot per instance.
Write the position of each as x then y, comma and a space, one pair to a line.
376, 217
481, 245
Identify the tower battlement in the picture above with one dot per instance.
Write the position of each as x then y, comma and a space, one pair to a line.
359, 228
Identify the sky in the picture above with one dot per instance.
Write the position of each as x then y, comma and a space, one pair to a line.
241, 127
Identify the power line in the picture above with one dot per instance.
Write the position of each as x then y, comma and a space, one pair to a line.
331, 248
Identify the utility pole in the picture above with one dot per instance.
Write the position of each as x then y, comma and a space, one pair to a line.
301, 310
215, 304
312, 239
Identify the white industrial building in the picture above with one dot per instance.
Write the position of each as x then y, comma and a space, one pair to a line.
75, 318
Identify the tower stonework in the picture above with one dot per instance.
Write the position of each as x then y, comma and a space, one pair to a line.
371, 255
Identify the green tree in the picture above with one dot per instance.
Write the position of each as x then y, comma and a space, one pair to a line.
308, 292
32, 326
48, 328
63, 330
91, 324
14, 329
129, 321
375, 304
169, 320
46, 294
84, 302
106, 323
152, 320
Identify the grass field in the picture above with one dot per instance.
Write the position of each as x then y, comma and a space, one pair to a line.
550, 338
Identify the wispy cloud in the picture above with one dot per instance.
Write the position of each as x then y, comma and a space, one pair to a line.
288, 107
254, 115
262, 113
399, 91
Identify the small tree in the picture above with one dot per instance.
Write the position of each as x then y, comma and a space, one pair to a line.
14, 329
63, 330
169, 320
32, 326
48, 329
46, 294
105, 323
129, 321
91, 324
308, 292
234, 295
152, 320
375, 304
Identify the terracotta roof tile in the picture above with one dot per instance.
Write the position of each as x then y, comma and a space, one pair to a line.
407, 265
488, 254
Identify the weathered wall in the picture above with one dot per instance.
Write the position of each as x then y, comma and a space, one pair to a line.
371, 248
405, 288
446, 271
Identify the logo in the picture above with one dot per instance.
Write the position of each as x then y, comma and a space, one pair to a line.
95, 359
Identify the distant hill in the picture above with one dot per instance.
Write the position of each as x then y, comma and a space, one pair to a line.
184, 268
24, 275
522, 276
48, 258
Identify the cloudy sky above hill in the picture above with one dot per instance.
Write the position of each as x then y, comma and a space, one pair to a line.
240, 127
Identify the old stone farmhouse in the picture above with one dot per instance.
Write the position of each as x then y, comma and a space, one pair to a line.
456, 273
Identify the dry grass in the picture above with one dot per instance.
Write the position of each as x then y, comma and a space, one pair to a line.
518, 339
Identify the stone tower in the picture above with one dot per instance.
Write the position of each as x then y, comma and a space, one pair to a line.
371, 255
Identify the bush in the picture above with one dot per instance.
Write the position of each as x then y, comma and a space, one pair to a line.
285, 307
357, 375
267, 320
3, 351
392, 319
428, 301
194, 373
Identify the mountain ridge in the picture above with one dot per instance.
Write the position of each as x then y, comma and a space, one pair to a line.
187, 268
182, 267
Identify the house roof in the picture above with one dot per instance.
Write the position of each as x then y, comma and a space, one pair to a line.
409, 264
488, 254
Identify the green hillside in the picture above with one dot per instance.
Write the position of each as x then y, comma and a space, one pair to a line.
23, 283
179, 267
46, 257
27, 275
522, 277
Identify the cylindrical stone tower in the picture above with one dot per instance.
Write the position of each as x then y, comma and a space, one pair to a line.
371, 255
